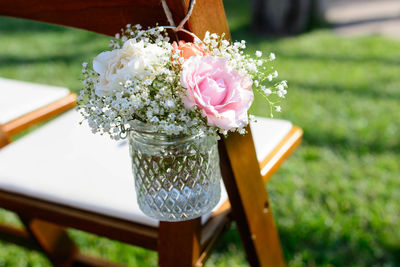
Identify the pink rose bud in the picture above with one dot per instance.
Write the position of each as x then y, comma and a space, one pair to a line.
187, 50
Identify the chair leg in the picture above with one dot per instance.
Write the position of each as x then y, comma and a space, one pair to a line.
179, 243
249, 201
53, 240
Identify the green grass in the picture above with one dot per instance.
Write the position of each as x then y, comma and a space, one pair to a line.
336, 200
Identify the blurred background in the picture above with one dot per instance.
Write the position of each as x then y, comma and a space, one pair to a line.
337, 199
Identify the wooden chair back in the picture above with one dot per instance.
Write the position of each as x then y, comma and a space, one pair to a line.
239, 165
108, 17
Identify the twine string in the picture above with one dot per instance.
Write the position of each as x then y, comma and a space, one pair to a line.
170, 19
168, 13
183, 30
123, 134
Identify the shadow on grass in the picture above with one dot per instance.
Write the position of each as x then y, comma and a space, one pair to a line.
323, 247
319, 246
394, 251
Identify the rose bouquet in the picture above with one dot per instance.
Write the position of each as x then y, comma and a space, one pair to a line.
178, 88
172, 100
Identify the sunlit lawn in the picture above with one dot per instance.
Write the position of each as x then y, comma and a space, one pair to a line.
336, 200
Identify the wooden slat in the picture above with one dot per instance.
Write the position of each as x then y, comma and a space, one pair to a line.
23, 238
53, 241
107, 17
121, 230
101, 16
179, 243
39, 115
4, 138
249, 200
208, 15
281, 152
17, 236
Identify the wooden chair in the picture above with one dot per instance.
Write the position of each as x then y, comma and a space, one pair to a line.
48, 205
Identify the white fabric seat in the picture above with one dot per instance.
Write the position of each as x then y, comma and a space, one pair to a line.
18, 98
267, 133
63, 162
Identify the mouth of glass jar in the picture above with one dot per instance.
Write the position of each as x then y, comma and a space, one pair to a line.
148, 134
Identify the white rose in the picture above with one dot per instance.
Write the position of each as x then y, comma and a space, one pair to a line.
119, 65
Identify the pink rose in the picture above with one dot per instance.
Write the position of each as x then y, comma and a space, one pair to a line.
221, 93
187, 50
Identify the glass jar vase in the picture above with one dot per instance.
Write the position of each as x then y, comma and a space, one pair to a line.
177, 178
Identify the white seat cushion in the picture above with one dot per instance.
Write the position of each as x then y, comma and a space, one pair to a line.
267, 133
18, 98
65, 163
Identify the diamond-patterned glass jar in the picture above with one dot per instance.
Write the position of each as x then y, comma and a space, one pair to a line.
176, 178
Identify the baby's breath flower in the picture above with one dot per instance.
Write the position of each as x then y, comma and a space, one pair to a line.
272, 56
267, 91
